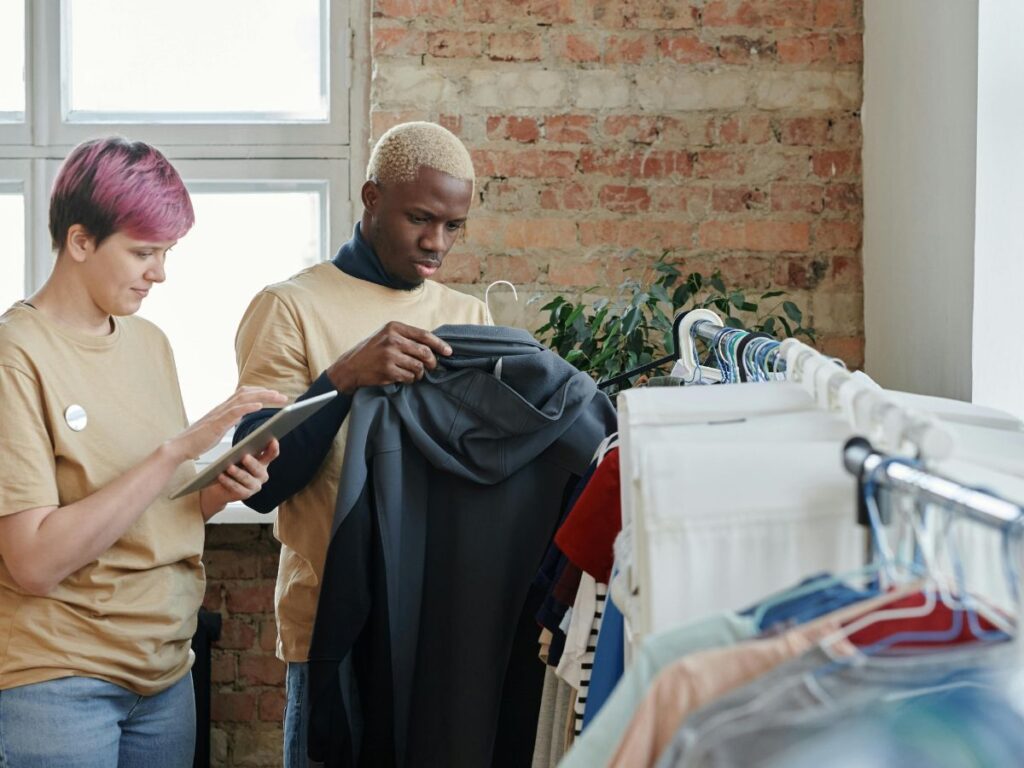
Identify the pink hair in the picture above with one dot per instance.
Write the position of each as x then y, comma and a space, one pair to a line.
115, 185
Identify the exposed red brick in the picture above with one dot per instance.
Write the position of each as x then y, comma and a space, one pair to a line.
526, 163
515, 269
843, 197
398, 41
648, 164
411, 9
460, 267
804, 131
614, 14
685, 48
212, 600
635, 233
230, 564
849, 48
515, 46
634, 128
574, 273
223, 668
537, 11
271, 706
231, 707
251, 599
737, 199
569, 197
748, 129
268, 635
742, 49
568, 129
835, 13
804, 49
835, 163
715, 164
384, 119
683, 198
452, 122
541, 233
837, 234
261, 670
522, 129
759, 13
848, 272
665, 14
755, 235
808, 198
801, 273
628, 50
450, 44
579, 48
236, 634
623, 199
849, 349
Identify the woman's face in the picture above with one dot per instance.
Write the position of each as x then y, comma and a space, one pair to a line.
120, 272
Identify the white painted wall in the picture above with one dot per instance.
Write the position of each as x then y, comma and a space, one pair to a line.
999, 229
919, 117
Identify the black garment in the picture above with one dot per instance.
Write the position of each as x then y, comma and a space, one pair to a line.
304, 449
450, 493
358, 259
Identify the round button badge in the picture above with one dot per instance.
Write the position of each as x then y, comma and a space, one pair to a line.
76, 417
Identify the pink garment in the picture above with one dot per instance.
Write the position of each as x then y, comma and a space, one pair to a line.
693, 681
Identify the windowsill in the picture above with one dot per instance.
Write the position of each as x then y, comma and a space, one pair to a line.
237, 512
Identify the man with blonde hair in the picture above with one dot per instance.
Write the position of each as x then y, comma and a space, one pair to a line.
356, 321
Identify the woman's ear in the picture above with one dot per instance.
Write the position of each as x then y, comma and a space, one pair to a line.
79, 243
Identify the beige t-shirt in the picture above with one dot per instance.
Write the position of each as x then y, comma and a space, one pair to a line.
129, 616
290, 334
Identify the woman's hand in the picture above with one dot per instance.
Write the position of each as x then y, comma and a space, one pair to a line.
207, 432
238, 483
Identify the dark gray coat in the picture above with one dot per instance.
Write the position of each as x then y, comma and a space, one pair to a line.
450, 492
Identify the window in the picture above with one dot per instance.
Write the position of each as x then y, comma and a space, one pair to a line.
222, 263
12, 223
251, 104
12, 61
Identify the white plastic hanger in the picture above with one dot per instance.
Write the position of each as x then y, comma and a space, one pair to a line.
487, 295
687, 367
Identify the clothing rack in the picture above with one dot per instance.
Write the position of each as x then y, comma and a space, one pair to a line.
861, 459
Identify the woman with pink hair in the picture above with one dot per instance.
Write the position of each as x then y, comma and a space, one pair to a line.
100, 572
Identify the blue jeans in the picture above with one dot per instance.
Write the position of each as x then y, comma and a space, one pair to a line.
88, 723
296, 715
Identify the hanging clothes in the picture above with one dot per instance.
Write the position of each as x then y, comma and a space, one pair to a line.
449, 495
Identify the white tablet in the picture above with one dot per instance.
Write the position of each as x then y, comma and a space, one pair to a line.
277, 426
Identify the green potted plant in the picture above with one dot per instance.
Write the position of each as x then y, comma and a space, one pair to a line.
610, 336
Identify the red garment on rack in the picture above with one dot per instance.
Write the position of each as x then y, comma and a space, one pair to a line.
588, 534
939, 621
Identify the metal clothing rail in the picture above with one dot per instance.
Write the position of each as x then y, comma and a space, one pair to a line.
862, 460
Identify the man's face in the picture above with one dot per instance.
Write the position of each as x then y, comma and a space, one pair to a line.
412, 225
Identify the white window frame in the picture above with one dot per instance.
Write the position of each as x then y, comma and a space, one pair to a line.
221, 154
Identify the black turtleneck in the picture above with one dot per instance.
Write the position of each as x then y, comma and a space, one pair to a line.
358, 259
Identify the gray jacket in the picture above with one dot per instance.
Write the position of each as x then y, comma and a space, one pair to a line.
450, 492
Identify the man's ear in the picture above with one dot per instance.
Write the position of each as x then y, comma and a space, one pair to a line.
79, 243
371, 196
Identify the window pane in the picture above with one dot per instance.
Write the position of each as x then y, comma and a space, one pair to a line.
216, 269
246, 60
12, 60
12, 257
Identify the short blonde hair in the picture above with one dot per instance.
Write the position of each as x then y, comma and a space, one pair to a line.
400, 153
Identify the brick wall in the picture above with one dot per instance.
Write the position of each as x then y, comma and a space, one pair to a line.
603, 131
606, 131
247, 700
